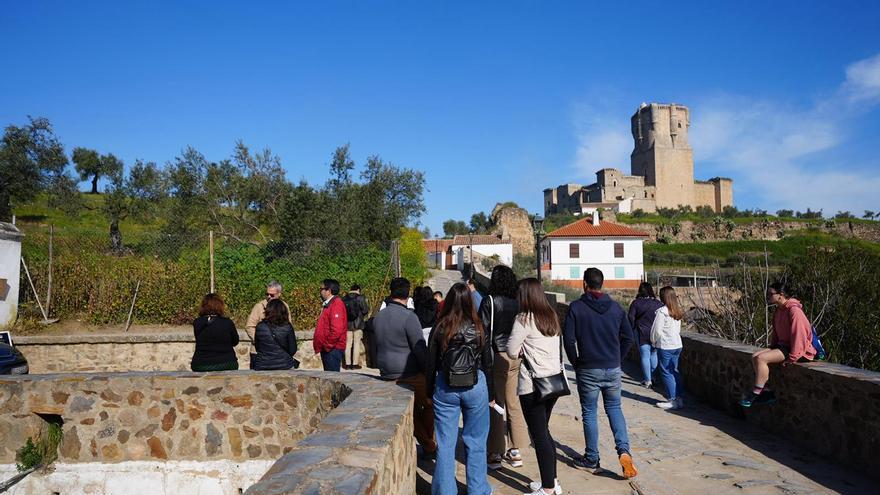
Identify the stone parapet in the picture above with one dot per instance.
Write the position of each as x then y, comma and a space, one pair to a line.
330, 432
828, 408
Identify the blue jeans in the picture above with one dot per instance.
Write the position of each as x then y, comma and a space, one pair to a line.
589, 383
332, 360
449, 404
669, 371
649, 360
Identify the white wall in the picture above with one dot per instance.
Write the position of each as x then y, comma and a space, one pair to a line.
504, 252
10, 268
595, 252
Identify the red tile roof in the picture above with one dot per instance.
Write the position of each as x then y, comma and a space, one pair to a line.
585, 228
478, 240
436, 245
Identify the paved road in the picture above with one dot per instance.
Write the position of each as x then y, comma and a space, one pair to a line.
697, 450
443, 280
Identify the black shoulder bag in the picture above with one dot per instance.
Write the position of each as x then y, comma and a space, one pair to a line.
549, 387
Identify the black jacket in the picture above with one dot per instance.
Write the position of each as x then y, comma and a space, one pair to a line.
506, 309
427, 313
467, 335
216, 338
362, 309
275, 346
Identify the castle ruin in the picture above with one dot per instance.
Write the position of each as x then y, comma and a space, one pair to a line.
662, 167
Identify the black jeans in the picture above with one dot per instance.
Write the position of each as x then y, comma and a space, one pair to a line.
332, 360
537, 415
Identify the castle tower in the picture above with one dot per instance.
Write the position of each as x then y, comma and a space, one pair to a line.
661, 152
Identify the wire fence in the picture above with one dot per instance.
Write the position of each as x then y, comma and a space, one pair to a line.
156, 278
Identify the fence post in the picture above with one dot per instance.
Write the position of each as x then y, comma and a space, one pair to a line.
211, 248
395, 257
49, 287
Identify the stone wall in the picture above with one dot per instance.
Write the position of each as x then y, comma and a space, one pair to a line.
170, 350
513, 223
150, 416
689, 231
330, 433
828, 408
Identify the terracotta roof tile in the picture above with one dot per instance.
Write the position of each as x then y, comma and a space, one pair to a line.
436, 245
478, 239
585, 228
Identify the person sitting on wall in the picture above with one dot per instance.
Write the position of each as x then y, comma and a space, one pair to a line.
274, 340
791, 342
216, 337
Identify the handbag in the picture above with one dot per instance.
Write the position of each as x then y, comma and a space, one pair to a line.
549, 387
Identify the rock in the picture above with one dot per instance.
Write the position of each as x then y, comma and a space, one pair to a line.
81, 404
70, 445
213, 440
87, 421
191, 390
123, 436
234, 441
156, 448
169, 419
153, 412
135, 398
245, 401
111, 452
744, 463
219, 415
146, 431
107, 431
254, 451
60, 397
110, 396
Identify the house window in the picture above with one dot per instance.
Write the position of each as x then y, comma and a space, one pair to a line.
619, 272
574, 273
618, 250
574, 251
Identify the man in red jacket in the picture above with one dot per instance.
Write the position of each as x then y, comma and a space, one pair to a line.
330, 332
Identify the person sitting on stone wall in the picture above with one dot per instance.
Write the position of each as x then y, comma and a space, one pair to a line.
274, 340
401, 355
791, 342
216, 337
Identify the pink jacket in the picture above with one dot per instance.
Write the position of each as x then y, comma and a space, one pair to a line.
791, 328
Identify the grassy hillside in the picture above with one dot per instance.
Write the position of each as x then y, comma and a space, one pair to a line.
780, 251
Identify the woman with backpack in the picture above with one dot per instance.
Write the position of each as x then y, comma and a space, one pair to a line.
274, 340
535, 337
498, 310
791, 342
641, 316
666, 337
459, 373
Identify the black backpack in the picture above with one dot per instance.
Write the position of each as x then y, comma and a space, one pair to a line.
352, 311
460, 365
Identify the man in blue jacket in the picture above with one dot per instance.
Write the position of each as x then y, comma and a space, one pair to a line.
597, 335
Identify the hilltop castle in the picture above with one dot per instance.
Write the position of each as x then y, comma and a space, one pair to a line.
662, 166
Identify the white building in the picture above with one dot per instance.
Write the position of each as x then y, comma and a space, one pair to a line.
10, 268
486, 245
568, 251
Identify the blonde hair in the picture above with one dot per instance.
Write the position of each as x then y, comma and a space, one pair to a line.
670, 300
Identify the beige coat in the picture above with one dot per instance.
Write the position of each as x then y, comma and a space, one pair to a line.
257, 315
542, 352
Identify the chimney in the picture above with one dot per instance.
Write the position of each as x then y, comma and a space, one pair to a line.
596, 218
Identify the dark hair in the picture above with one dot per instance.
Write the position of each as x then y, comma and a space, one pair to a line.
438, 293
276, 312
503, 282
458, 309
593, 278
646, 290
670, 300
332, 285
782, 288
423, 295
355, 287
471, 281
533, 301
212, 304
399, 288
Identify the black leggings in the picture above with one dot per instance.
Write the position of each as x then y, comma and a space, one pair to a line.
537, 416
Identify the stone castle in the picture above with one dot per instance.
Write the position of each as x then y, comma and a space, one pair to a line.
662, 166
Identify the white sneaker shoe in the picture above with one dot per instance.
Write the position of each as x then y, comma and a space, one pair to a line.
513, 458
536, 488
667, 405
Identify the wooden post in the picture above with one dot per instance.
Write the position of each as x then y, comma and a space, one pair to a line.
49, 288
36, 296
131, 310
211, 243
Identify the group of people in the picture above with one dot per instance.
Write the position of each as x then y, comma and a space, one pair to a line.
486, 360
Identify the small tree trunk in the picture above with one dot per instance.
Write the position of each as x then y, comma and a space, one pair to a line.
115, 237
95, 185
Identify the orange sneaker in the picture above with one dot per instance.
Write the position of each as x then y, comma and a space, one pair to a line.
626, 462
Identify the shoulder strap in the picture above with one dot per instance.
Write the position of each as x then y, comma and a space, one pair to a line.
492, 314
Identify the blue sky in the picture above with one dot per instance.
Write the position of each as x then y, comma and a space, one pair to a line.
493, 100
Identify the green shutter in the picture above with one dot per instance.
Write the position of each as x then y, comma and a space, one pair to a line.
575, 272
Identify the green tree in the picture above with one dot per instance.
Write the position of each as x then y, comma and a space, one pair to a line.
480, 223
868, 215
134, 195
785, 213
89, 164
844, 215
413, 258
31, 160
185, 177
452, 228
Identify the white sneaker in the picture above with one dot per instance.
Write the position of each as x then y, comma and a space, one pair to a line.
667, 405
513, 458
535, 486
